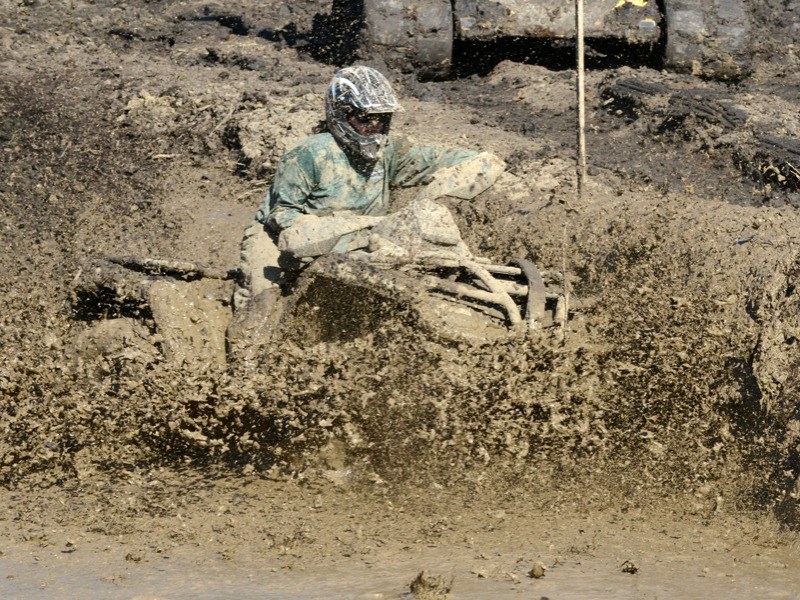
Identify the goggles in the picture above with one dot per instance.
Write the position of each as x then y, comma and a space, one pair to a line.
379, 121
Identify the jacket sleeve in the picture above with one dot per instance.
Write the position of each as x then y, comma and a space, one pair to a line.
415, 165
291, 188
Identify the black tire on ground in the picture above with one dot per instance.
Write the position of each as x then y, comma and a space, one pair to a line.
708, 105
631, 97
635, 91
710, 38
410, 35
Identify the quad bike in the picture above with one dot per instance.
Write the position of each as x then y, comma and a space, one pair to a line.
414, 259
360, 270
412, 262
704, 37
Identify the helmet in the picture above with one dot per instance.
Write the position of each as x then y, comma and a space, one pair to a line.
361, 91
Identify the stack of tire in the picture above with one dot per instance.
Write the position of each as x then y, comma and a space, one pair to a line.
709, 38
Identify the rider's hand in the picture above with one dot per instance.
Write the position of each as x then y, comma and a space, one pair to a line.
305, 219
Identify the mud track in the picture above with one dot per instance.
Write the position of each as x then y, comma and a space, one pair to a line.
665, 421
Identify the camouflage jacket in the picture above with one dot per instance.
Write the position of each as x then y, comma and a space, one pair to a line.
316, 177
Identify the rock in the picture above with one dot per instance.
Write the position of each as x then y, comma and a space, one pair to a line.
537, 572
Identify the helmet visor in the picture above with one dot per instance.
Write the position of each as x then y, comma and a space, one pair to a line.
368, 124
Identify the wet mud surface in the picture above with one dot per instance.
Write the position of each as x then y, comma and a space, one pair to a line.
662, 431
317, 541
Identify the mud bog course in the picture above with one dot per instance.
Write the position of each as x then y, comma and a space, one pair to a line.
650, 451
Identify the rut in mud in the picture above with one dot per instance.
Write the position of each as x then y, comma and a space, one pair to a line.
153, 130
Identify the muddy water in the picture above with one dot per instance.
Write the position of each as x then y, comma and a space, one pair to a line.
679, 576
670, 559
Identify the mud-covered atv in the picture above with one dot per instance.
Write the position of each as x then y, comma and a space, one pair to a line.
704, 37
412, 262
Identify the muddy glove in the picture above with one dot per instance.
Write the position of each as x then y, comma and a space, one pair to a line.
305, 219
381, 247
465, 180
311, 236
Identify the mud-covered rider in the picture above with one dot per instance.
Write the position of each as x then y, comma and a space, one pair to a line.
348, 169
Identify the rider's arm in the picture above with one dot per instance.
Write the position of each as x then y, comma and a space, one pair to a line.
290, 190
412, 165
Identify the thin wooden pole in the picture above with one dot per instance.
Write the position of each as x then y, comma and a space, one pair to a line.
580, 165
581, 92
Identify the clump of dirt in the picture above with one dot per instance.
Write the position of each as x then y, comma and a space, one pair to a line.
430, 587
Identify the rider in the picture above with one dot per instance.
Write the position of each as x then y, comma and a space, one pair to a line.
350, 169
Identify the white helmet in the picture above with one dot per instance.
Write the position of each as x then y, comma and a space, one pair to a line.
361, 90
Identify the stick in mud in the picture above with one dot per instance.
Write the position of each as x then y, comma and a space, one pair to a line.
581, 96
580, 167
179, 268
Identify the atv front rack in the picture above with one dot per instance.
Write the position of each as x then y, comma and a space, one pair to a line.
517, 290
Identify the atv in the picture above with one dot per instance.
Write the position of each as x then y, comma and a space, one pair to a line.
416, 258
412, 262
703, 37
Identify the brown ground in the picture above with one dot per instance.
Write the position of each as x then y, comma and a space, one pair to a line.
663, 432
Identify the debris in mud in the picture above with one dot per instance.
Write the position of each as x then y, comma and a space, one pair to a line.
430, 587
512, 577
486, 572
537, 571
629, 567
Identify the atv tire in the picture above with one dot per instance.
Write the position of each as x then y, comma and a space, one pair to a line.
635, 97
709, 38
410, 36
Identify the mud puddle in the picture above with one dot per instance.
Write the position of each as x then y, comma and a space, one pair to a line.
604, 554
679, 575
